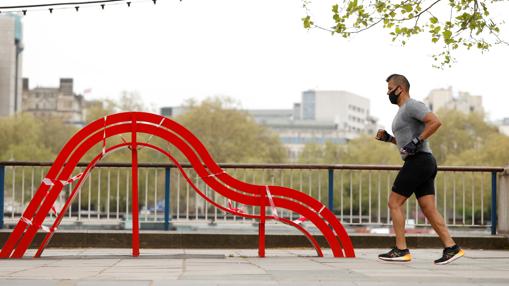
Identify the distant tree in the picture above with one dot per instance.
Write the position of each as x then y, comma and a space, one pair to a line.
452, 24
99, 109
230, 134
460, 132
131, 101
21, 136
55, 133
363, 150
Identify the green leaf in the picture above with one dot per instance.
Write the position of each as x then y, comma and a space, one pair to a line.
447, 34
433, 20
335, 8
307, 22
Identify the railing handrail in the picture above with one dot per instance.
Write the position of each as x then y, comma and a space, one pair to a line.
267, 166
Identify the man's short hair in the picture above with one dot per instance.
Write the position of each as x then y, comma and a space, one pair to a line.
399, 80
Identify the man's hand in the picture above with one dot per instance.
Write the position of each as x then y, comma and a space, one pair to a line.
411, 148
383, 135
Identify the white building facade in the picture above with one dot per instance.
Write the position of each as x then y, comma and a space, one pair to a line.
444, 99
11, 47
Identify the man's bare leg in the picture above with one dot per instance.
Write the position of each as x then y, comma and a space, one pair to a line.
427, 204
396, 202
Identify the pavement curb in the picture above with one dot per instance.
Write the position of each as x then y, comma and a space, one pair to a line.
162, 239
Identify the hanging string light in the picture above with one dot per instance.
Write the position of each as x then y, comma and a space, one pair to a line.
67, 5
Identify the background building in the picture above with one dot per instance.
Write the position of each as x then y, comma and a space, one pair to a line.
11, 46
59, 102
503, 126
321, 116
349, 111
444, 99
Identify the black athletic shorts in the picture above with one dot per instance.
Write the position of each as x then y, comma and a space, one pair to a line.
416, 176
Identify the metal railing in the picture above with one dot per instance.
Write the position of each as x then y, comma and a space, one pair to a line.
358, 194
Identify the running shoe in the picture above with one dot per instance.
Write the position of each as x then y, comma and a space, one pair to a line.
396, 254
450, 254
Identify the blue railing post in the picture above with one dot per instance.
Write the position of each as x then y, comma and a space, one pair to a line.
167, 198
493, 203
2, 192
331, 189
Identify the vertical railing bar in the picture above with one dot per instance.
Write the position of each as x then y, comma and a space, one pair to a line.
108, 201
331, 189
79, 201
156, 174
234, 203
388, 194
482, 198
187, 199
351, 198
69, 188
205, 201
369, 197
118, 194
360, 196
146, 195
341, 197
98, 193
463, 198
320, 187
254, 183
127, 193
13, 192
197, 183
2, 195
291, 187
379, 196
282, 184
244, 179
32, 183
473, 198
445, 199
453, 198
89, 197
178, 194
22, 187
309, 183
167, 197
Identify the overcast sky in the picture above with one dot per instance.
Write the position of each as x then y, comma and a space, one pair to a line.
255, 51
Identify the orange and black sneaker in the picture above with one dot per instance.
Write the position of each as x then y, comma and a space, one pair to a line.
397, 255
450, 254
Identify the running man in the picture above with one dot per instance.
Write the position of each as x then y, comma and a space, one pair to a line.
412, 126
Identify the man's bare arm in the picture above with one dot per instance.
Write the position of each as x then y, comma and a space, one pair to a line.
431, 125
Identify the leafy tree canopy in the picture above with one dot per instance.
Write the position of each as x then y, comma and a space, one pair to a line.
452, 24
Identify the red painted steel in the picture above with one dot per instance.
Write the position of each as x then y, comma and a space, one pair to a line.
134, 176
138, 122
261, 227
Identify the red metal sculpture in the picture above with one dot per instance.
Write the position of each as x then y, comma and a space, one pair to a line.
133, 123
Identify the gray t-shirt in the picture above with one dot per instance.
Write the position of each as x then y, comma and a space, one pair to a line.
408, 124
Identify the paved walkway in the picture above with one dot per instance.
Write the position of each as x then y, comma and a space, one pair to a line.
111, 267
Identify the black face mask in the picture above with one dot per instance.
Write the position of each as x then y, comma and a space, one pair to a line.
393, 97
